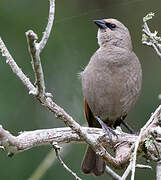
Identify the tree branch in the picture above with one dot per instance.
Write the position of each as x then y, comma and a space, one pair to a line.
149, 38
48, 28
36, 62
127, 171
114, 175
11, 62
36, 48
155, 116
57, 149
30, 139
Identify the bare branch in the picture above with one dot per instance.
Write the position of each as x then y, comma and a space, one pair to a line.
47, 162
152, 41
36, 63
126, 173
57, 149
149, 38
142, 166
16, 69
36, 48
128, 170
144, 130
46, 34
29, 139
114, 175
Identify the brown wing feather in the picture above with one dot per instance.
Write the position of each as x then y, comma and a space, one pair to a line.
92, 163
92, 122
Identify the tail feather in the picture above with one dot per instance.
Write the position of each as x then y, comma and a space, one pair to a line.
92, 163
100, 165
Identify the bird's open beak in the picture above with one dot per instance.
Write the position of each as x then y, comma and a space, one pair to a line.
100, 23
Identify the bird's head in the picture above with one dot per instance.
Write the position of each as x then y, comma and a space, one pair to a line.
113, 32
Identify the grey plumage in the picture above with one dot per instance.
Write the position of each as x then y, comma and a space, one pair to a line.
111, 82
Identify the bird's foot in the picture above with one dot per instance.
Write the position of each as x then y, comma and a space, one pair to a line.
108, 130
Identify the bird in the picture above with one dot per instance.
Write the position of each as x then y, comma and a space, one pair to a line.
111, 84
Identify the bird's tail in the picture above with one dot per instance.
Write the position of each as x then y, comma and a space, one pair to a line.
93, 163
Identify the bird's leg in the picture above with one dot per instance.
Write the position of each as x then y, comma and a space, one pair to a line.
129, 128
126, 125
108, 130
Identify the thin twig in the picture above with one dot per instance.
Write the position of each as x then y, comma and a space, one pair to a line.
48, 28
152, 42
142, 166
126, 173
36, 62
149, 40
139, 140
113, 174
36, 48
47, 163
16, 69
57, 149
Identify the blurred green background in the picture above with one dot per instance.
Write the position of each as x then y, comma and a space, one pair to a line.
71, 44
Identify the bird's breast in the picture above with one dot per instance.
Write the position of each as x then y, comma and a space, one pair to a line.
111, 88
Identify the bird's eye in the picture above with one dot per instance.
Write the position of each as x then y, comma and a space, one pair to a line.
113, 26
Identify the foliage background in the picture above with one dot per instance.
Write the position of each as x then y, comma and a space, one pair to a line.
71, 44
